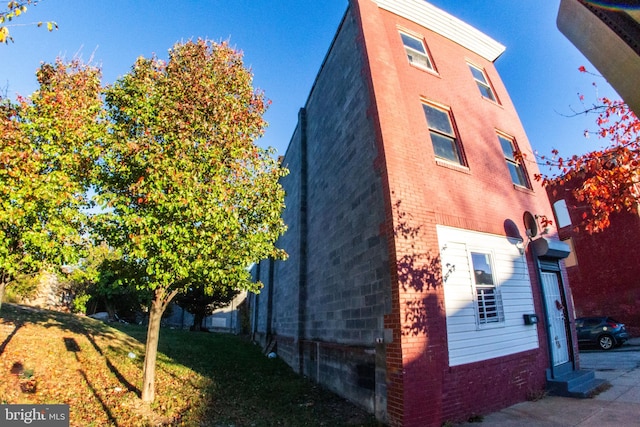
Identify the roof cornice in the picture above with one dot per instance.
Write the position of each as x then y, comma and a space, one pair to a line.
439, 21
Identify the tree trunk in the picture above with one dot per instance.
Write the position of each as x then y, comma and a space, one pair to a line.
158, 306
3, 285
111, 311
198, 317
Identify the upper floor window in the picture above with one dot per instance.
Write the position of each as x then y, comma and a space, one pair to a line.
483, 82
488, 298
562, 213
416, 51
516, 169
443, 134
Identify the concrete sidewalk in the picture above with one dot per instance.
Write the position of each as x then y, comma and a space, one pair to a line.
618, 406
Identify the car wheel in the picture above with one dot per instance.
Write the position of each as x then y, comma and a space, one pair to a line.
606, 342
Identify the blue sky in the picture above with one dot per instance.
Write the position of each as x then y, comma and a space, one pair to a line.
285, 41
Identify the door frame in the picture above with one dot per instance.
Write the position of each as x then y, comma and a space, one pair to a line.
552, 265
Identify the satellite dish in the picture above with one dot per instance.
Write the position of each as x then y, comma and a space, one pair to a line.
530, 224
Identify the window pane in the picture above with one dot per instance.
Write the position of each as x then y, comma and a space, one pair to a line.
562, 213
482, 268
413, 43
507, 148
438, 119
418, 59
517, 175
487, 295
488, 305
482, 82
486, 91
477, 74
445, 147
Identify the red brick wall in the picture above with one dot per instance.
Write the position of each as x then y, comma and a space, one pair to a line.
606, 279
422, 389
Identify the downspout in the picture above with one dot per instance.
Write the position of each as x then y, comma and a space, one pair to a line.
255, 307
302, 290
270, 299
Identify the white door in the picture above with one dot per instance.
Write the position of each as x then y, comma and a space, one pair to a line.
556, 319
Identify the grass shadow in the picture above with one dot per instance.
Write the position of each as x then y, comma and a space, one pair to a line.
106, 408
7, 340
114, 370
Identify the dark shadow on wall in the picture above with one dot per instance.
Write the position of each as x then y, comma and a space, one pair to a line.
418, 271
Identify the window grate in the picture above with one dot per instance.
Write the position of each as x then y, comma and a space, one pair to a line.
488, 298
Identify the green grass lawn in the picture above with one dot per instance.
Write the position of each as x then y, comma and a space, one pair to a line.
202, 379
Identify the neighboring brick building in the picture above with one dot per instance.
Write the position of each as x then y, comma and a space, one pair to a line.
409, 273
603, 268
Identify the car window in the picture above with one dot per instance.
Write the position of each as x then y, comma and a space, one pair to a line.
592, 322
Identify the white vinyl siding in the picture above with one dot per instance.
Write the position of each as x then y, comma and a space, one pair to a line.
470, 340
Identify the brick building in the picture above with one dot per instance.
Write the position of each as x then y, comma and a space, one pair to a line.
610, 288
410, 281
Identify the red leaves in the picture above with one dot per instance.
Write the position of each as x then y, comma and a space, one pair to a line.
604, 180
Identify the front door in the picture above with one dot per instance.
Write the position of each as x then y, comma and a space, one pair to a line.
556, 318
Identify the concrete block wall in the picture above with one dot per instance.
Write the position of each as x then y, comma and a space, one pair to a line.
347, 274
331, 295
289, 275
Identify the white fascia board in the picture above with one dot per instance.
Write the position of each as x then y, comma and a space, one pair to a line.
440, 22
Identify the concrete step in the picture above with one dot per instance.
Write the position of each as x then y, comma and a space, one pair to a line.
580, 384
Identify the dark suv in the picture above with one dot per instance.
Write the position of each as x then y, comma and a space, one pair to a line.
604, 332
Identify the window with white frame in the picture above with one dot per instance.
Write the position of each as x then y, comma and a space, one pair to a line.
489, 301
562, 213
443, 134
416, 51
514, 161
483, 82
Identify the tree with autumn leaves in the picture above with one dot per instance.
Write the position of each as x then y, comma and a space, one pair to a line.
188, 196
48, 154
169, 151
607, 180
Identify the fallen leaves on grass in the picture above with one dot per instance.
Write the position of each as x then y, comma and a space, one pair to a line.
202, 379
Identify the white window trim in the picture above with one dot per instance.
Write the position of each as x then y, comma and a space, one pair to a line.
513, 161
462, 163
483, 323
486, 83
426, 54
561, 210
